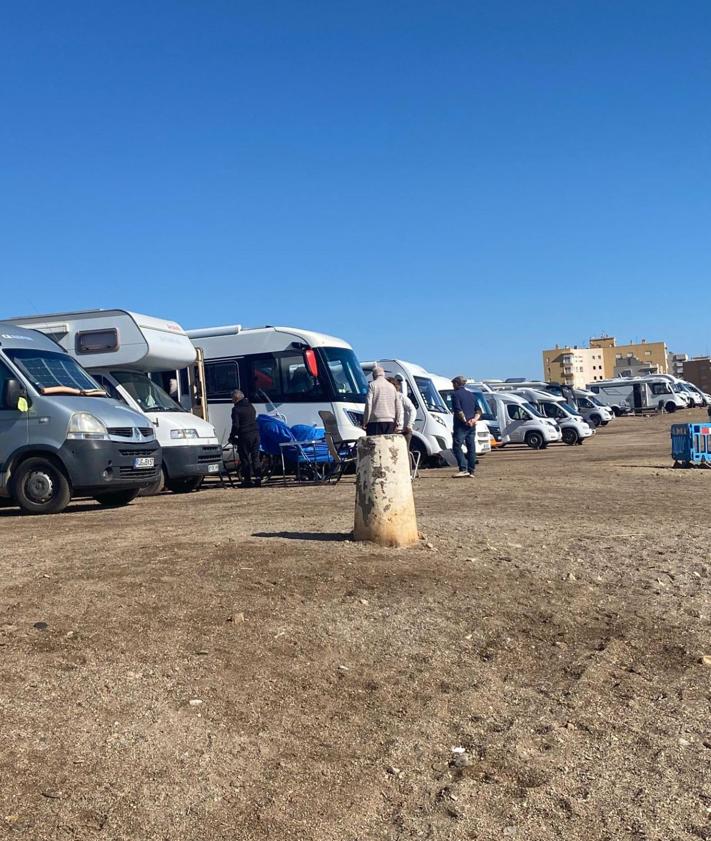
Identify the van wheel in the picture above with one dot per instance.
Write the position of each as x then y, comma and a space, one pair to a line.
40, 487
595, 420
670, 407
570, 437
535, 440
156, 487
116, 499
183, 486
616, 411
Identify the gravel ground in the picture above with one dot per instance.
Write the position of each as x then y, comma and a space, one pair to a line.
228, 665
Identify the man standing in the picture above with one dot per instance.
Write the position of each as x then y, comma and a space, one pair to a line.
245, 434
409, 412
383, 410
466, 413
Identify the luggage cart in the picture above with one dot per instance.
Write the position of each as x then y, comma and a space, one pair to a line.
691, 444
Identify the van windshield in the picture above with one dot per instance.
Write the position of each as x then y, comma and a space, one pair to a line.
533, 410
446, 395
347, 378
54, 372
149, 395
430, 395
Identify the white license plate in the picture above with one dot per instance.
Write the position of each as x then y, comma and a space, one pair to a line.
144, 461
213, 468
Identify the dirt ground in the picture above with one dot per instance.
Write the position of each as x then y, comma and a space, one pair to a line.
228, 665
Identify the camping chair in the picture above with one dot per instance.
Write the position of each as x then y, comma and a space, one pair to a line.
346, 446
301, 447
415, 458
342, 458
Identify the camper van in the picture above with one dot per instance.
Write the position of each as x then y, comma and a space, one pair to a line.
284, 371
61, 437
120, 349
633, 394
574, 430
593, 411
483, 433
519, 422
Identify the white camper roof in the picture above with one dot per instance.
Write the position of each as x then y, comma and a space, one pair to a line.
233, 339
116, 338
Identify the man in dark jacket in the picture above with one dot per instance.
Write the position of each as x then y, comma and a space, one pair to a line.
466, 413
245, 434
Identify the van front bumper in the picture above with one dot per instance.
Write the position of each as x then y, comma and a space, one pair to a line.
183, 462
96, 466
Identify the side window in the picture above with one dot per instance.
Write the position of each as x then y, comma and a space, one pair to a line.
295, 378
221, 379
264, 373
5, 375
516, 412
595, 389
97, 341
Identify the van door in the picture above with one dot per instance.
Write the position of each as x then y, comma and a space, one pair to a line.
14, 424
517, 419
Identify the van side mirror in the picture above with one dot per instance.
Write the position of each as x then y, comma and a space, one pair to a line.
13, 393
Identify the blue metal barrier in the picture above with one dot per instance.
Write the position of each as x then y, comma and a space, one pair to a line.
691, 444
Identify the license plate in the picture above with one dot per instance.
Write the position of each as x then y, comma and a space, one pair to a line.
213, 468
144, 461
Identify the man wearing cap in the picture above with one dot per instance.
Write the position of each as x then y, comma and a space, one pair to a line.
466, 413
383, 409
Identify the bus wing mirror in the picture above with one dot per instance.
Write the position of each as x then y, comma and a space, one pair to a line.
311, 363
15, 396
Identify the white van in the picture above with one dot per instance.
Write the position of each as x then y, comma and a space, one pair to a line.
519, 422
593, 411
119, 349
631, 394
574, 429
284, 371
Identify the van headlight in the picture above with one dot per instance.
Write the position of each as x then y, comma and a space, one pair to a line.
183, 433
86, 427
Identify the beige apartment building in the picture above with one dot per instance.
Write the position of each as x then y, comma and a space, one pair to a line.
602, 360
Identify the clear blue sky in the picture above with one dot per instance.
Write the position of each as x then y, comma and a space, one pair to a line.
459, 184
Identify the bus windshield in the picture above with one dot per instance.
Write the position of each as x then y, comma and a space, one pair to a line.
149, 396
48, 369
430, 395
347, 378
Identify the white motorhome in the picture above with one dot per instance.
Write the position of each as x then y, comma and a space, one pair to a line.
593, 411
632, 394
119, 349
705, 399
574, 429
284, 371
519, 422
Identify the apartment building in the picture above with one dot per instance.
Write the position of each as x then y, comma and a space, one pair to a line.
603, 359
697, 370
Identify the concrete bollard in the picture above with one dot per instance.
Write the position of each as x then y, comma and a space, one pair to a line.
385, 506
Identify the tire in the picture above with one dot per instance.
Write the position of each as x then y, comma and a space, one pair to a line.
183, 486
40, 487
604, 423
116, 499
156, 488
670, 407
535, 441
570, 436
595, 420
616, 411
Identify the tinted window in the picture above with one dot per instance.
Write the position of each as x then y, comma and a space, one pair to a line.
660, 388
5, 375
97, 341
347, 379
296, 381
516, 412
221, 379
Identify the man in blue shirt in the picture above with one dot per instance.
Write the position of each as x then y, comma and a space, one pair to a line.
466, 413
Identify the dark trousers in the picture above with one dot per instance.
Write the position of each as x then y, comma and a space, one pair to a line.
380, 428
465, 435
248, 449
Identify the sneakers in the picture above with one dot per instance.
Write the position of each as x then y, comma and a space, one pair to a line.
462, 475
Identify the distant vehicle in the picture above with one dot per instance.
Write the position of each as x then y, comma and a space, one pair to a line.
287, 372
593, 411
574, 430
519, 422
705, 398
61, 436
120, 349
630, 394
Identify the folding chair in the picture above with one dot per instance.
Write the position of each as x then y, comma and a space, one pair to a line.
342, 458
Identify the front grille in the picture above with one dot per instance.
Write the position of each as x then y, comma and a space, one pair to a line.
210, 454
137, 453
121, 431
137, 472
356, 418
146, 431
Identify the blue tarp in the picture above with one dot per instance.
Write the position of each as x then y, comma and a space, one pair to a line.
273, 432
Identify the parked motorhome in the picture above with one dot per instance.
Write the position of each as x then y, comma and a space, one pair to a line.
61, 436
120, 349
285, 371
704, 398
593, 411
519, 422
633, 394
574, 429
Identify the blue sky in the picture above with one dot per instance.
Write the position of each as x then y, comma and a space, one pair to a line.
456, 183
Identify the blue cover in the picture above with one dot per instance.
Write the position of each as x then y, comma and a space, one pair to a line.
273, 432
